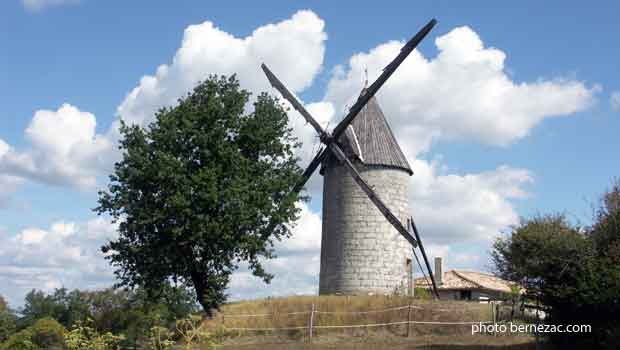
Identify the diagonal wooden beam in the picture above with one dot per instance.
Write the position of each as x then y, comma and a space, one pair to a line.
372, 195
387, 72
333, 147
316, 161
428, 265
277, 84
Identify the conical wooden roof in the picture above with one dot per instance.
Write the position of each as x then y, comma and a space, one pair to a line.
370, 139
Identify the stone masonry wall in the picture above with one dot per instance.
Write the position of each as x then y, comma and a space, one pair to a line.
361, 253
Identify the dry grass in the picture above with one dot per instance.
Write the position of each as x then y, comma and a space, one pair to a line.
276, 315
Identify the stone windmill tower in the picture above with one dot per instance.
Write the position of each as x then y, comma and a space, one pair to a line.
365, 246
361, 252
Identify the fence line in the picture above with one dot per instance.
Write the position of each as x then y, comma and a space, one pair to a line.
361, 325
310, 326
331, 312
266, 315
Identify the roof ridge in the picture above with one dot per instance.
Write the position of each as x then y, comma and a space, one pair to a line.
467, 279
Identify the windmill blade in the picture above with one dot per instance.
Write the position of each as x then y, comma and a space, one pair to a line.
277, 84
316, 161
387, 72
333, 146
428, 265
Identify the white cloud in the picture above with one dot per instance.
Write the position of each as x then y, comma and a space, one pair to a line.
296, 267
462, 93
65, 254
65, 149
614, 100
460, 208
293, 49
306, 235
38, 5
8, 186
8, 183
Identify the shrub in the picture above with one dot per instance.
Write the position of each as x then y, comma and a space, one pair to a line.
47, 333
20, 341
8, 324
84, 337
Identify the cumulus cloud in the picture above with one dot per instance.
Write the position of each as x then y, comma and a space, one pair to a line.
207, 50
65, 149
38, 5
65, 254
296, 267
8, 183
460, 208
462, 93
614, 100
8, 186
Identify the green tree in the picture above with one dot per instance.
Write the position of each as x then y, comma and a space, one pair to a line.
203, 188
48, 334
8, 320
8, 324
573, 272
605, 233
539, 252
45, 333
38, 304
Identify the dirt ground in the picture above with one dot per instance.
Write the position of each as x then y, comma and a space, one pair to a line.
382, 342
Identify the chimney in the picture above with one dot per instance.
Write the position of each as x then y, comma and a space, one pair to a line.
438, 271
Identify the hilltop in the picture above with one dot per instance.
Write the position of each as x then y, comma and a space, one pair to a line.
356, 322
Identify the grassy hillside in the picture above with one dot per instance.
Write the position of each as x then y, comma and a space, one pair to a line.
282, 323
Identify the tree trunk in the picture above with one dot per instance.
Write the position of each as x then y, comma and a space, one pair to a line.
201, 293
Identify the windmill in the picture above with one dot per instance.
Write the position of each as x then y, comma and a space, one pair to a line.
345, 267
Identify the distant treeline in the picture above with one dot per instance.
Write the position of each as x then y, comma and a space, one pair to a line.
46, 317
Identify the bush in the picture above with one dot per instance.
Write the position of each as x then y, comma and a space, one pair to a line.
8, 325
84, 337
47, 333
20, 341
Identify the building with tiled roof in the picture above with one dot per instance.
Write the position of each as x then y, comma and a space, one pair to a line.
467, 285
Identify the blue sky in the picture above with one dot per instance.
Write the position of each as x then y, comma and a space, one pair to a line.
550, 148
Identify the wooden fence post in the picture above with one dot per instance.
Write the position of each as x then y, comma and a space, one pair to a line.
408, 320
311, 321
495, 316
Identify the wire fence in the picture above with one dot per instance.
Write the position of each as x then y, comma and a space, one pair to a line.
404, 316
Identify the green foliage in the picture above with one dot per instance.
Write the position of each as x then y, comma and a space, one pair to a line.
160, 338
21, 340
193, 332
38, 305
575, 275
605, 232
422, 293
539, 252
130, 312
45, 333
85, 337
8, 324
202, 188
